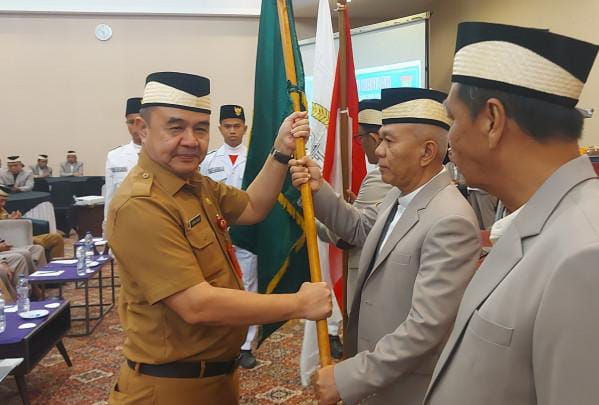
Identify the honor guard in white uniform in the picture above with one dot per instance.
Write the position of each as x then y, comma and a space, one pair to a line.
121, 160
227, 164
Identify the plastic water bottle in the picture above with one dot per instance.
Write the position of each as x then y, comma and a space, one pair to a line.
23, 303
2, 314
89, 248
81, 261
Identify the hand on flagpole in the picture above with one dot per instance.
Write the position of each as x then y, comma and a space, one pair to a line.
294, 126
306, 170
325, 387
314, 301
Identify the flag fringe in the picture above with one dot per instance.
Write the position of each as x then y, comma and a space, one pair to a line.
287, 206
297, 246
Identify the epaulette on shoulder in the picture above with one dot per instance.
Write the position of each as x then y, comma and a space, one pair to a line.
142, 185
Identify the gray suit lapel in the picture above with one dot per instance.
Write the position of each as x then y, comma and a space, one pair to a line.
373, 237
508, 251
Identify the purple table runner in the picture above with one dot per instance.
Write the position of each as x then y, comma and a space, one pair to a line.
69, 271
12, 333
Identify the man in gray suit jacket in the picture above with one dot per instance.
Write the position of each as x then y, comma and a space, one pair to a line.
71, 167
372, 191
420, 248
527, 331
16, 177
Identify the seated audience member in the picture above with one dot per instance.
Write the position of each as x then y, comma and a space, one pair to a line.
22, 261
52, 243
71, 167
16, 178
32, 255
7, 275
41, 169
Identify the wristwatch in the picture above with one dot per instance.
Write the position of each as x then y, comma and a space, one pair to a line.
280, 157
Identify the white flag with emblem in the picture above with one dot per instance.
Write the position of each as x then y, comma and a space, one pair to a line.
325, 59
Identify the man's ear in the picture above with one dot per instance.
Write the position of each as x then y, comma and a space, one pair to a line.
496, 121
429, 152
141, 127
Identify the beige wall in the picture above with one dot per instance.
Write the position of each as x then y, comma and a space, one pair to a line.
572, 18
61, 88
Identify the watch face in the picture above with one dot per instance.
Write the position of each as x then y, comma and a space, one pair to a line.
103, 32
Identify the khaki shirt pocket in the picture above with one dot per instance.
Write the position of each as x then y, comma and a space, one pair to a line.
207, 250
490, 331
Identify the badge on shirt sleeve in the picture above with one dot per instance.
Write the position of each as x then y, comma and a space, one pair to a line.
194, 221
213, 170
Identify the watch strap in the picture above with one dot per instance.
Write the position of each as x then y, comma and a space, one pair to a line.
280, 157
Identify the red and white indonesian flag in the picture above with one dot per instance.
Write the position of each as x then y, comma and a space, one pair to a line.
332, 160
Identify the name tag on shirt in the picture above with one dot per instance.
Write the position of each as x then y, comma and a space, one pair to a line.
118, 169
194, 221
213, 170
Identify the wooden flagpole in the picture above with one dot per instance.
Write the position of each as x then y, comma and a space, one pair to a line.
307, 203
344, 138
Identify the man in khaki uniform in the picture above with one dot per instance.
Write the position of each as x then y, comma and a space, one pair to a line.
6, 286
182, 303
527, 330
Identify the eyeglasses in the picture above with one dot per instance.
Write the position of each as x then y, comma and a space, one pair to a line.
130, 122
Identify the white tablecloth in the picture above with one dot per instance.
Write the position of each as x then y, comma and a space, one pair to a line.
44, 211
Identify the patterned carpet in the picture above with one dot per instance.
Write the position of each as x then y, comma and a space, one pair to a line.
97, 358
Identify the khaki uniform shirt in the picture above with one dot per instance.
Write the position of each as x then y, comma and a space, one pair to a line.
165, 235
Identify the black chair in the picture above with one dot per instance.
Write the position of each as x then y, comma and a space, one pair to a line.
93, 186
62, 197
40, 227
41, 184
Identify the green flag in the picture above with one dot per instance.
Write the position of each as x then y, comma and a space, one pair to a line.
279, 240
